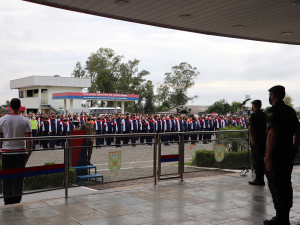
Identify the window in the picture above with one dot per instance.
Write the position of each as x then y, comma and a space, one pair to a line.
44, 90
21, 94
29, 93
36, 91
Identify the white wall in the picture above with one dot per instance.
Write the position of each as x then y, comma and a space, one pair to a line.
34, 102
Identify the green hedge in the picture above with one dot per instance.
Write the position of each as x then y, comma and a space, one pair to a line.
206, 158
46, 180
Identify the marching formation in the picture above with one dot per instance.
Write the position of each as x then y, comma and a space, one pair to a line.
60, 125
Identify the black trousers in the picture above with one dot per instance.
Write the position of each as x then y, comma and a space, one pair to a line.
34, 134
45, 142
98, 141
52, 142
13, 188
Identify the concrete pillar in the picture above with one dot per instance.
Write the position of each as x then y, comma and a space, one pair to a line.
65, 107
122, 107
116, 107
40, 100
71, 106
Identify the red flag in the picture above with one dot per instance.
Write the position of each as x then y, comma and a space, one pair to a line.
169, 113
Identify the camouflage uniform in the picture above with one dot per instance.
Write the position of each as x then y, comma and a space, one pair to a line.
90, 130
283, 118
258, 120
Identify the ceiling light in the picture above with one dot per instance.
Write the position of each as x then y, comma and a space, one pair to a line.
185, 16
286, 33
296, 2
122, 2
238, 26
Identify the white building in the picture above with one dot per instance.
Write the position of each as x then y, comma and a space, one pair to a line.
35, 92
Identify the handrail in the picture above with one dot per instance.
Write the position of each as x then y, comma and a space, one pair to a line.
116, 135
156, 151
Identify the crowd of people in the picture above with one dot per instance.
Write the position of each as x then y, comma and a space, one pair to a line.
60, 125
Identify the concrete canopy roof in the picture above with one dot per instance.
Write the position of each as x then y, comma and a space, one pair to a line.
271, 21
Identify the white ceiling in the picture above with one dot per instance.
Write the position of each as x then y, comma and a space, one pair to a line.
262, 20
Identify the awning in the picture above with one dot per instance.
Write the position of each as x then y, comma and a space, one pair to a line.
271, 21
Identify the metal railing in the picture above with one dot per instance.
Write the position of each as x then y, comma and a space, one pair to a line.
157, 149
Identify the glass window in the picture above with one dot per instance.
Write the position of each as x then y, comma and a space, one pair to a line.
21, 94
29, 93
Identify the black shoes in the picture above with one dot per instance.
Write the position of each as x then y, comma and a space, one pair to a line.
277, 220
258, 182
90, 164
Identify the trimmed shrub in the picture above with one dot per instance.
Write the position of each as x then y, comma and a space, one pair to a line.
46, 180
206, 158
233, 145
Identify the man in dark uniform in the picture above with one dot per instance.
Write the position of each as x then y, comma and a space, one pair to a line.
258, 137
90, 130
281, 153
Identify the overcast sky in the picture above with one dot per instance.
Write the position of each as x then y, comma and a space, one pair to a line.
44, 41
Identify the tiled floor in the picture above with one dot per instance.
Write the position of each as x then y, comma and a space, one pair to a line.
226, 199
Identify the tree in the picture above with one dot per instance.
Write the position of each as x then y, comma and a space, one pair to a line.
78, 71
163, 92
180, 79
221, 106
109, 74
288, 100
149, 97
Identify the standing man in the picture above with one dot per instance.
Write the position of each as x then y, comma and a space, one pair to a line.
13, 126
281, 153
89, 128
52, 129
258, 137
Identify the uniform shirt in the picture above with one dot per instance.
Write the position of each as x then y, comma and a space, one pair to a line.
283, 118
89, 128
258, 121
13, 126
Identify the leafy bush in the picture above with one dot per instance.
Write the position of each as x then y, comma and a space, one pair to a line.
233, 145
206, 158
46, 180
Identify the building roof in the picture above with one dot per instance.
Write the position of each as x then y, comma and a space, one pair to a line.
269, 20
50, 81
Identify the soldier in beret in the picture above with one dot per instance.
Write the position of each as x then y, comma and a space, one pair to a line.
258, 136
281, 153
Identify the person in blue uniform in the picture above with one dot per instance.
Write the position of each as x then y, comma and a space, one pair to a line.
118, 130
150, 130
134, 128
98, 130
45, 130
167, 128
126, 128
52, 130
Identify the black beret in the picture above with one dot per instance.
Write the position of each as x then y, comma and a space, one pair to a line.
256, 102
278, 90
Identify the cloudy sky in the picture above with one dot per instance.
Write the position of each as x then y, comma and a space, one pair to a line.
39, 40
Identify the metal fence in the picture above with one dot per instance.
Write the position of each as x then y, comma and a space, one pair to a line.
162, 156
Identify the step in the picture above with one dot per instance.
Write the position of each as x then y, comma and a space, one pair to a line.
89, 176
82, 167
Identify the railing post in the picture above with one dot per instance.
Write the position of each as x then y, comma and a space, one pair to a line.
159, 156
66, 169
181, 155
154, 160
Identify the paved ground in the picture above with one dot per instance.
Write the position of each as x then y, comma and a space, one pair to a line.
137, 162
226, 199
